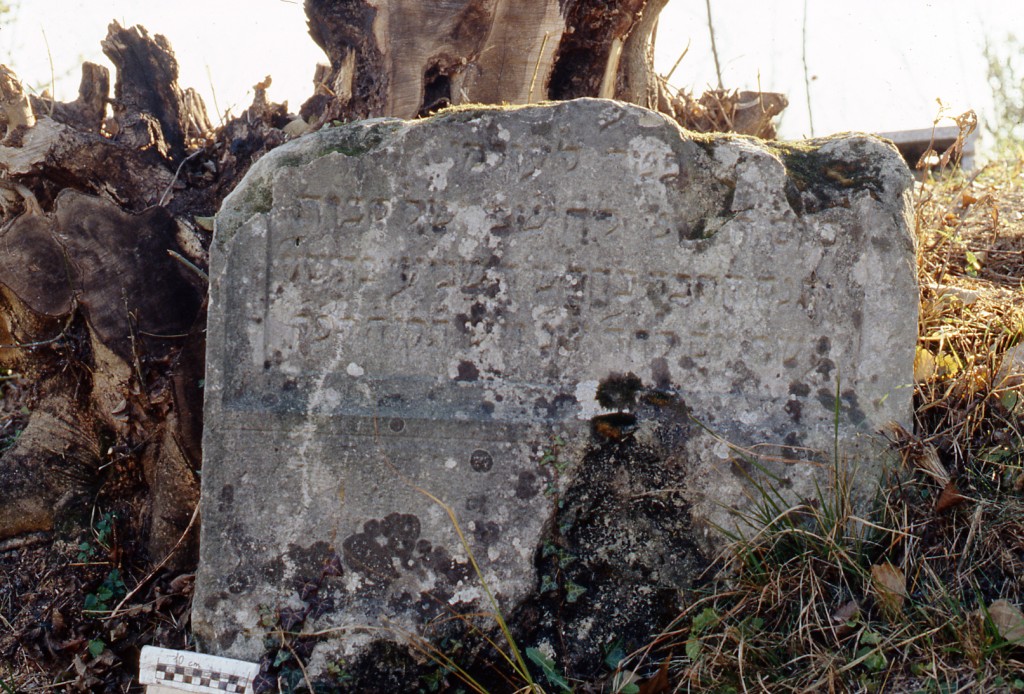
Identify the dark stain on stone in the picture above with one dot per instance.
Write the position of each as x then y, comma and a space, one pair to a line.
824, 345
311, 562
852, 407
618, 391
391, 401
825, 368
477, 504
660, 373
373, 552
239, 582
687, 362
227, 498
642, 335
621, 544
560, 407
848, 405
794, 409
481, 460
477, 314
743, 377
793, 448
467, 371
366, 557
487, 533
799, 389
790, 363
396, 424
439, 560
527, 485
614, 427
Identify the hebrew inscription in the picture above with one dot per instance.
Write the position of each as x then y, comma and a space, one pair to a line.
408, 318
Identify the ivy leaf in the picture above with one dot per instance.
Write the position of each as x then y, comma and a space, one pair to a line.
548, 667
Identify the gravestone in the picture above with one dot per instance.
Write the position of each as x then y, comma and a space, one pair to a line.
563, 341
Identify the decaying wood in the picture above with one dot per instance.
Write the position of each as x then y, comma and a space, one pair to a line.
147, 90
15, 109
748, 113
87, 112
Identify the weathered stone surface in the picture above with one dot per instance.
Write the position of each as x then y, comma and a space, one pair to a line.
555, 319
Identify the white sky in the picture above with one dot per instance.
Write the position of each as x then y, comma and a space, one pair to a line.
879, 64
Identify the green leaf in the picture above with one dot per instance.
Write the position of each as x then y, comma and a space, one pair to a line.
96, 647
547, 666
1009, 399
573, 591
871, 638
614, 654
282, 656
705, 619
92, 603
693, 647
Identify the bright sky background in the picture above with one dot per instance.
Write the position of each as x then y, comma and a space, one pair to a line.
879, 64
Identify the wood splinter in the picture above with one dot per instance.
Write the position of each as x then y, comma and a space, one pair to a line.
17, 109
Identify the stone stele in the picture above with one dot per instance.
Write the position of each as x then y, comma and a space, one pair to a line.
494, 309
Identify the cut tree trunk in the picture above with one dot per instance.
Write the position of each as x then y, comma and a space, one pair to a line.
406, 58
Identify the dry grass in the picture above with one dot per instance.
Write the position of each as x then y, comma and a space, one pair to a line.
921, 595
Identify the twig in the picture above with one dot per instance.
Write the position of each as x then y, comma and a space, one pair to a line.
189, 264
163, 198
53, 79
678, 60
305, 675
807, 77
163, 562
40, 343
536, 67
714, 47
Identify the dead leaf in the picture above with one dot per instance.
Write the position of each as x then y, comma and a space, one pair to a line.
843, 618
928, 462
659, 683
890, 586
949, 498
846, 613
924, 365
1009, 620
